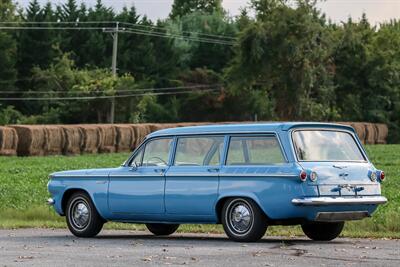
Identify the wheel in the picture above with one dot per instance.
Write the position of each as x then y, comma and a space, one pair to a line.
83, 220
243, 220
322, 231
162, 228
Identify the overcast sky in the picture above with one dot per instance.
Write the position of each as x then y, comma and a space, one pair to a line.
338, 10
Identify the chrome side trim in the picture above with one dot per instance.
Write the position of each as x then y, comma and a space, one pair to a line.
256, 175
51, 202
323, 201
81, 176
341, 216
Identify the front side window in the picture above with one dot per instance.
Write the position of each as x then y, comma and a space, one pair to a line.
199, 151
320, 145
254, 150
156, 152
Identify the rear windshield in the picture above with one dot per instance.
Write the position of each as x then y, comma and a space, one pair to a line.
320, 145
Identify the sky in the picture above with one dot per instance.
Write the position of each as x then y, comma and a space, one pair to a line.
337, 10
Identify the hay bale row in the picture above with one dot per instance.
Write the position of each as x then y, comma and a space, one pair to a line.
37, 140
370, 133
8, 141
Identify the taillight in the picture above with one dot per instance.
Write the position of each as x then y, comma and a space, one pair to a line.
373, 176
313, 176
303, 176
382, 175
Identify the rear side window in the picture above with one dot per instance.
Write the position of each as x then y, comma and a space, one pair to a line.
254, 150
199, 151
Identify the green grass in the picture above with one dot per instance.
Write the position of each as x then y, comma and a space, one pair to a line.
23, 192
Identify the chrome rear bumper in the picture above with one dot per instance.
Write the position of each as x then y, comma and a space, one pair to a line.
324, 201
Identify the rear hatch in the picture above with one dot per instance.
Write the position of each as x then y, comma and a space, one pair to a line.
342, 179
336, 156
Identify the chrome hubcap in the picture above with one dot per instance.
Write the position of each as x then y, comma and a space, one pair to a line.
80, 214
240, 217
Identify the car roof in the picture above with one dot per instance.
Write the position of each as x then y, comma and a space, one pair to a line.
246, 128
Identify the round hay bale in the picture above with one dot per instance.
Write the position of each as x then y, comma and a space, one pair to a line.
108, 138
140, 132
73, 139
155, 126
360, 130
383, 131
91, 138
31, 140
370, 133
8, 141
125, 138
55, 140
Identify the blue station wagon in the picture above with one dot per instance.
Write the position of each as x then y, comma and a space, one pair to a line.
244, 176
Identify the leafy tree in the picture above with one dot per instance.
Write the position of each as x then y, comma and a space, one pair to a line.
287, 54
64, 79
200, 26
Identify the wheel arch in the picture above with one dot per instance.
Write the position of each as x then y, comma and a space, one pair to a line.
69, 192
223, 198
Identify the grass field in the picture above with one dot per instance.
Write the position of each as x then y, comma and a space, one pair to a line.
23, 193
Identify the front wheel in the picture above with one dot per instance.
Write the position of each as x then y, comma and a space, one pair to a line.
243, 220
322, 231
162, 228
83, 220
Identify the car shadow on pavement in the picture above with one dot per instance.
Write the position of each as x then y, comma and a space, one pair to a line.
215, 238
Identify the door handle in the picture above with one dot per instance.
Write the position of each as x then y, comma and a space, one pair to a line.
213, 170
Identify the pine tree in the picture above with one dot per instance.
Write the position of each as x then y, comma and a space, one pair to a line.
8, 48
36, 46
181, 8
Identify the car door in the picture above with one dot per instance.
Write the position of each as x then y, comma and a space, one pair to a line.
192, 181
139, 188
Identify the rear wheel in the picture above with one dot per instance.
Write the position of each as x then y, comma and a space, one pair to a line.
83, 220
322, 231
162, 228
243, 220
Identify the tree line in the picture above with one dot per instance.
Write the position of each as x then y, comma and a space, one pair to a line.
275, 61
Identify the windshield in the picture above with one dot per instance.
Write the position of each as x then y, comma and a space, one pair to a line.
324, 145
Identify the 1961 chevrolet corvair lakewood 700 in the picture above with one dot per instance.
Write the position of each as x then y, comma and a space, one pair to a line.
245, 176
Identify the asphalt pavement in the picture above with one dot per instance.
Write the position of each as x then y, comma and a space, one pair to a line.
46, 247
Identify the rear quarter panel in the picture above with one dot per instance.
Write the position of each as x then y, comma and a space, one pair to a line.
272, 188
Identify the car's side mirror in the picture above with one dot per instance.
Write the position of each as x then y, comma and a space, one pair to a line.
134, 166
